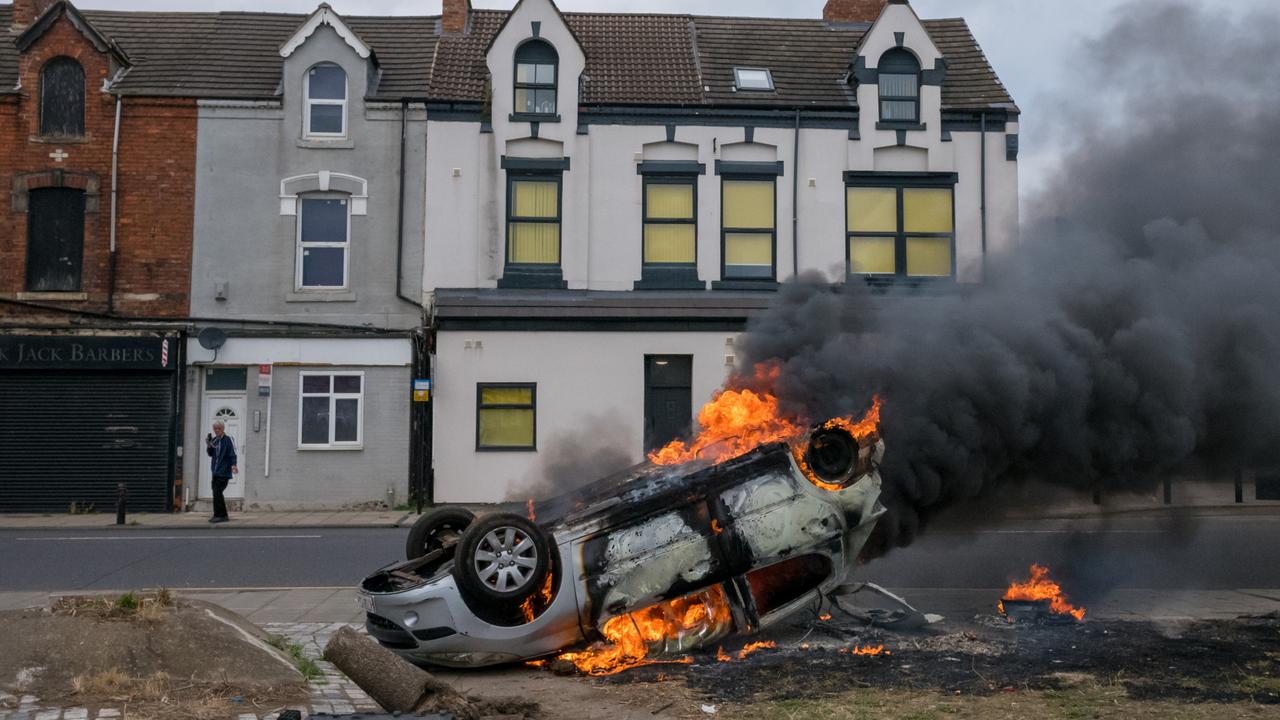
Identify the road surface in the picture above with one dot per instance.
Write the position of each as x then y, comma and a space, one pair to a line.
1204, 553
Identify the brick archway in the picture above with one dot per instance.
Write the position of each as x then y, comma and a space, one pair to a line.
56, 178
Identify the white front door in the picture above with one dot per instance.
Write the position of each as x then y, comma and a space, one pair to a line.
227, 408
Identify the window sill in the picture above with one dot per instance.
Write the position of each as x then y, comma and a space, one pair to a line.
762, 285
326, 143
506, 449
54, 296
886, 282
330, 448
300, 296
882, 125
669, 279
534, 117
531, 279
60, 139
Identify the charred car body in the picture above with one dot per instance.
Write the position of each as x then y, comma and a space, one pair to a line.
762, 535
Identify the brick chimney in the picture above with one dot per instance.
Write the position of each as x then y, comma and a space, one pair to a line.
455, 16
25, 12
853, 11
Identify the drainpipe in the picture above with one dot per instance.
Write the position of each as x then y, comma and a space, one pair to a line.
795, 195
983, 172
404, 138
115, 173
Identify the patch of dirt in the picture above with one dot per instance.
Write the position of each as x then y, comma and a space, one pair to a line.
150, 652
1204, 662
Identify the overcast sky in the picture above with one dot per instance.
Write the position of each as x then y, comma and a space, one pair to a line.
1030, 42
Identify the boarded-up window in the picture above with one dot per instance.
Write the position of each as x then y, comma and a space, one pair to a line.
903, 230
62, 98
533, 221
505, 416
55, 239
748, 229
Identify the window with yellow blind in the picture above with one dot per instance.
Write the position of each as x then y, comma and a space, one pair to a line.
900, 226
670, 222
533, 220
748, 228
506, 416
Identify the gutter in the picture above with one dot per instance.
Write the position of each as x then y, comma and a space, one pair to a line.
115, 174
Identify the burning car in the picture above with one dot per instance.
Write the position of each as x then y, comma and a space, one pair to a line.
654, 560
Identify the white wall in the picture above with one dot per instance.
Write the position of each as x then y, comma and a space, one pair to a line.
584, 379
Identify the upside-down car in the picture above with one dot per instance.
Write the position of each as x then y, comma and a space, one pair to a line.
761, 535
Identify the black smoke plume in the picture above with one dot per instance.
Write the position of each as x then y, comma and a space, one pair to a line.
1135, 329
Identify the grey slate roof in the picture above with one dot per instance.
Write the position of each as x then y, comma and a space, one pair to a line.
632, 59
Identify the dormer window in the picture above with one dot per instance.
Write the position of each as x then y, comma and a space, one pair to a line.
535, 86
752, 79
899, 73
62, 98
326, 102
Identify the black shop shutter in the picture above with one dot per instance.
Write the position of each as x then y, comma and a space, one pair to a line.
55, 239
69, 437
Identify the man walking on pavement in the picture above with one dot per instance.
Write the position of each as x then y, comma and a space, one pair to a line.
223, 451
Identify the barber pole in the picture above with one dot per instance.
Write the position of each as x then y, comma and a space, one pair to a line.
164, 353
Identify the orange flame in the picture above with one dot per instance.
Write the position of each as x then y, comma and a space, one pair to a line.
738, 420
631, 637
755, 647
532, 515
533, 605
1040, 587
865, 650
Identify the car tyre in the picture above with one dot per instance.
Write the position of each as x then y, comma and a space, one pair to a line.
436, 529
502, 559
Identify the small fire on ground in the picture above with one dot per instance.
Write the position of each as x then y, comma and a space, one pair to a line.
1041, 588
739, 419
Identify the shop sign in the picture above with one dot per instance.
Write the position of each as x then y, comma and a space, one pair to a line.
84, 352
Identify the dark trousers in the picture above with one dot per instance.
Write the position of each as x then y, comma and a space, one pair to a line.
219, 502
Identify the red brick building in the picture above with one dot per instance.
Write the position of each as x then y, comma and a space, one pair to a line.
154, 171
97, 194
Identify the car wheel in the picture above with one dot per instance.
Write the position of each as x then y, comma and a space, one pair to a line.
503, 558
436, 529
832, 455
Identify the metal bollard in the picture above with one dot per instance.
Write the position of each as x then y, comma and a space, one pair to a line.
122, 496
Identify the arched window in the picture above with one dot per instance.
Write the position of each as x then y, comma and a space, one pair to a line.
899, 87
62, 98
326, 101
536, 65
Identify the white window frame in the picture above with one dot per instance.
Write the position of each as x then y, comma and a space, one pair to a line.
333, 398
301, 246
739, 85
309, 102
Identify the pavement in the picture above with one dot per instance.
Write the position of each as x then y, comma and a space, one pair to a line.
1204, 501
200, 521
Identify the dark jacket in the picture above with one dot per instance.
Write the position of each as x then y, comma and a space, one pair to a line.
223, 452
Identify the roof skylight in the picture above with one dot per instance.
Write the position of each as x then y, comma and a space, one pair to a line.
752, 79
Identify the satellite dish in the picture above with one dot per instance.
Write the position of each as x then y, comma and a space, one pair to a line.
211, 338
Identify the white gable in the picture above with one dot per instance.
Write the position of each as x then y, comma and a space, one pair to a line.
898, 19
324, 15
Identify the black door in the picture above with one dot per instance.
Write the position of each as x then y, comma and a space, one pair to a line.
55, 239
668, 398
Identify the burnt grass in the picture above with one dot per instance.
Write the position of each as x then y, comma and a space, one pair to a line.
1203, 662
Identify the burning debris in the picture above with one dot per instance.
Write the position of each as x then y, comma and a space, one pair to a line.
664, 629
1036, 598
